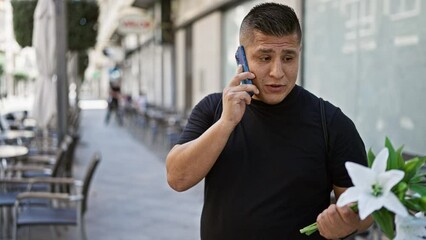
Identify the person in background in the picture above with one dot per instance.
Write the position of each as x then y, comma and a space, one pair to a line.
264, 159
114, 99
141, 107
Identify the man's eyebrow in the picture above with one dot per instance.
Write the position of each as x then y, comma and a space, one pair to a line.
269, 50
290, 51
264, 50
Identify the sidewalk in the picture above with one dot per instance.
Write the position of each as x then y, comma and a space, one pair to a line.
129, 197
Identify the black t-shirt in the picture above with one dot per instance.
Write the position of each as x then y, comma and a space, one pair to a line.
274, 176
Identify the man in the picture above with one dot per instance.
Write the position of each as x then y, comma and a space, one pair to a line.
114, 102
267, 172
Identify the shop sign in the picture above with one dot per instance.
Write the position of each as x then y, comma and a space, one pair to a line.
134, 24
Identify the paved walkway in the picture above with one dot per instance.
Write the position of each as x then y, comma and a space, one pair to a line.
129, 198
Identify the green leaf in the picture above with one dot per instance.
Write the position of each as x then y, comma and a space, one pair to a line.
418, 188
385, 220
416, 179
412, 167
400, 162
400, 189
416, 204
370, 157
392, 161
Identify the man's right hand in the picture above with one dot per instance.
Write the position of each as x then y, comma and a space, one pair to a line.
235, 97
187, 164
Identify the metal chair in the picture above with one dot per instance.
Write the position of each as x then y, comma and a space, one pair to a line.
56, 214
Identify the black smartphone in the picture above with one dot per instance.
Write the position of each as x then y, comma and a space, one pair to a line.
240, 56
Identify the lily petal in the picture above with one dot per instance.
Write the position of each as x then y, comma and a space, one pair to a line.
361, 176
381, 161
367, 204
392, 203
350, 195
389, 179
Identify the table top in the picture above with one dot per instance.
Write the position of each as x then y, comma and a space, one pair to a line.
11, 151
29, 122
15, 134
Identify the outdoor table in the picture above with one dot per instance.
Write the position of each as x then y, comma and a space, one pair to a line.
16, 135
29, 123
12, 151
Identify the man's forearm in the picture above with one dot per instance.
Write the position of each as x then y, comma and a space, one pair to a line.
189, 163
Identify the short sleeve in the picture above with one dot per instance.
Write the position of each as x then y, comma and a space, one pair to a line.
201, 118
345, 145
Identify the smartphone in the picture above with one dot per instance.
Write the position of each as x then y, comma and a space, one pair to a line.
240, 56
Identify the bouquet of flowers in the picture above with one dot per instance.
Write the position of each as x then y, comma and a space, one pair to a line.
392, 190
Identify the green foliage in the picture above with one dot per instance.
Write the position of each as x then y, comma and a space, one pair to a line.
413, 182
395, 157
418, 188
416, 204
82, 19
410, 191
82, 24
1, 69
400, 190
371, 156
384, 219
412, 167
23, 23
19, 76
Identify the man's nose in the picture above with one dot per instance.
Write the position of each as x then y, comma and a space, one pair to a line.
277, 69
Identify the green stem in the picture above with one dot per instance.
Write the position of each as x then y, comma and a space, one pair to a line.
308, 230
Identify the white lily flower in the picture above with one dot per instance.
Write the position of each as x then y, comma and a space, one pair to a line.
372, 187
410, 228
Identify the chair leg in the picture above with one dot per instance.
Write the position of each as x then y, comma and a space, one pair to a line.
82, 229
2, 224
58, 233
14, 228
7, 217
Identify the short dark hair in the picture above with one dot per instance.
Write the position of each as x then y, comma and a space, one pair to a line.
271, 19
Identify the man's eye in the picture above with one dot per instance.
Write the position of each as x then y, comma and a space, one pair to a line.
265, 59
288, 59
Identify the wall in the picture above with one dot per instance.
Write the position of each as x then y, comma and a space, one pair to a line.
369, 58
148, 63
187, 10
206, 56
180, 70
168, 78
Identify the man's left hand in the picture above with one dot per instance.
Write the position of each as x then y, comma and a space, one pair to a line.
337, 222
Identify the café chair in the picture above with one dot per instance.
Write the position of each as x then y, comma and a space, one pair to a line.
57, 213
20, 178
26, 169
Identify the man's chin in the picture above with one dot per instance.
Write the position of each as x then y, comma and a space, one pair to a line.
270, 99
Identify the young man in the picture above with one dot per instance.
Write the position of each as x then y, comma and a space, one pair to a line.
267, 172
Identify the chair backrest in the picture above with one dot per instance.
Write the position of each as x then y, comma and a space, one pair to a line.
88, 178
69, 158
61, 157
